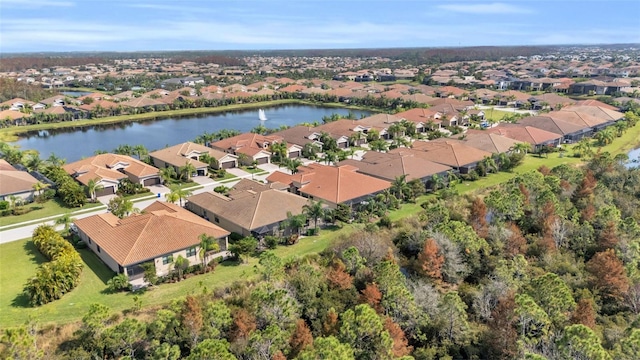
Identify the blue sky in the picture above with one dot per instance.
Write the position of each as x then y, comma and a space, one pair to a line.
118, 25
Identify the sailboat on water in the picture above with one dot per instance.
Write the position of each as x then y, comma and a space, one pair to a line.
261, 115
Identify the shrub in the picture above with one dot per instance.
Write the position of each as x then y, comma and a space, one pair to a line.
4, 205
20, 211
272, 241
118, 283
58, 276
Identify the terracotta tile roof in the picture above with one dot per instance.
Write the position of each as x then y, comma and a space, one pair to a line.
142, 102
380, 120
419, 98
599, 112
11, 114
251, 205
591, 102
161, 229
246, 140
529, 134
105, 104
519, 96
493, 143
458, 104
420, 115
104, 166
578, 118
4, 165
178, 155
450, 153
343, 127
390, 165
13, 181
17, 100
450, 90
333, 184
553, 124
298, 135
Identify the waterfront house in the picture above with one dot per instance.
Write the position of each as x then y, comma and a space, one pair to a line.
160, 234
109, 169
178, 156
254, 146
250, 208
14, 182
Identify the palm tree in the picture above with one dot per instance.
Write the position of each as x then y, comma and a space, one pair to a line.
65, 220
295, 222
293, 165
330, 157
379, 145
583, 148
437, 182
605, 137
400, 188
171, 197
452, 178
621, 126
33, 162
140, 151
279, 151
522, 147
314, 210
93, 187
207, 243
186, 170
178, 191
38, 187
167, 173
54, 160
489, 164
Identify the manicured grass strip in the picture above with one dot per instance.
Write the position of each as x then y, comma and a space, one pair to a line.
50, 208
19, 260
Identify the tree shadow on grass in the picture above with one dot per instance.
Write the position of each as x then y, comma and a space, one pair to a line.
231, 263
22, 300
96, 265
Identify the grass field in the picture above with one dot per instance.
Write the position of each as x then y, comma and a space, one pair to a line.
50, 208
92, 289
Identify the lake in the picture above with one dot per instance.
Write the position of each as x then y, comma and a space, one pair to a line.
75, 93
73, 144
634, 158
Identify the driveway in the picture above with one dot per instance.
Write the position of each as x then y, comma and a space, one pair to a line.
202, 180
269, 167
238, 172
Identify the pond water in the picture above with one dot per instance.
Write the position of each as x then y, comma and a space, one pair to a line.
634, 158
73, 144
75, 93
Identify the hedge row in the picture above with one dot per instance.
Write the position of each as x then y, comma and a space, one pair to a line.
58, 276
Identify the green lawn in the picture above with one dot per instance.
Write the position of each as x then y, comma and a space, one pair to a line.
50, 208
495, 114
19, 259
227, 177
253, 170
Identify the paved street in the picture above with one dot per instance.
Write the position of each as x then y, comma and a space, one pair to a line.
17, 232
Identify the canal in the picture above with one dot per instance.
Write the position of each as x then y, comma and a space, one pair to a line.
73, 144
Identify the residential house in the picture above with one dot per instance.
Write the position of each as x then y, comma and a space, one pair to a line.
332, 184
455, 154
570, 131
603, 113
16, 183
493, 143
255, 147
250, 208
189, 152
538, 138
391, 165
161, 233
345, 131
109, 169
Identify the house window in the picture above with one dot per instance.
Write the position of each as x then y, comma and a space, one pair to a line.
99, 248
215, 218
130, 271
191, 251
89, 240
167, 259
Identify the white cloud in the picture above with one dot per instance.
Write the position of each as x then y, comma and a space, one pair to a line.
492, 8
